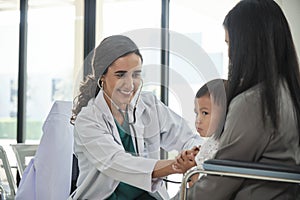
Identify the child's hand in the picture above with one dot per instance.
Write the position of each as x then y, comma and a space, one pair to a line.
185, 160
195, 150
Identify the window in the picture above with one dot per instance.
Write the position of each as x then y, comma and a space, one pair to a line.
9, 51
198, 54
141, 22
55, 35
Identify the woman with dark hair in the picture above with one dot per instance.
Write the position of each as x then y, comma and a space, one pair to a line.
263, 115
119, 130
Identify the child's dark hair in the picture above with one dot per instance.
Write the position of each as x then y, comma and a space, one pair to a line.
216, 89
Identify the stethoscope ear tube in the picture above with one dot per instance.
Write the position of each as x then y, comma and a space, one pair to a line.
133, 113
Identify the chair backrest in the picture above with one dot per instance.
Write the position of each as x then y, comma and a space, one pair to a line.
23, 153
7, 183
56, 146
50, 174
75, 174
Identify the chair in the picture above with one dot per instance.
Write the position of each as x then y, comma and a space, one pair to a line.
241, 169
48, 176
75, 174
23, 153
7, 183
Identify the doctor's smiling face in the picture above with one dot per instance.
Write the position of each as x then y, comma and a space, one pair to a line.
122, 79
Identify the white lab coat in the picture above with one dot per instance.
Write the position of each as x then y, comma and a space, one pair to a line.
48, 175
102, 159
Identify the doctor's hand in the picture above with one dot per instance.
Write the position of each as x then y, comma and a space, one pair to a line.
185, 160
164, 168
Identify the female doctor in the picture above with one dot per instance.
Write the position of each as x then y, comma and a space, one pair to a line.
119, 130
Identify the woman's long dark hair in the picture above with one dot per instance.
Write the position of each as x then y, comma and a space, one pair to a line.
261, 50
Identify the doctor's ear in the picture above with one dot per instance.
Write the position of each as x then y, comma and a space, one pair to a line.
102, 79
100, 82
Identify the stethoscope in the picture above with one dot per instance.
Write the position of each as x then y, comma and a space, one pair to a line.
131, 124
123, 113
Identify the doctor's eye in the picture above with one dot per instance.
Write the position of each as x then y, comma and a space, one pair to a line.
120, 74
136, 74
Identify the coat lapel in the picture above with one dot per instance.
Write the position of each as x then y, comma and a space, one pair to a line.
107, 117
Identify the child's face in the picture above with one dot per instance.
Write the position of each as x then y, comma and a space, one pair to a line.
206, 116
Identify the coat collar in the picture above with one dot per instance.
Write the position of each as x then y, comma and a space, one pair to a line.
101, 104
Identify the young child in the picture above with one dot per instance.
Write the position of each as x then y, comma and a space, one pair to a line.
210, 109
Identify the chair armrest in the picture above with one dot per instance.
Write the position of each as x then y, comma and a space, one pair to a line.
263, 171
259, 171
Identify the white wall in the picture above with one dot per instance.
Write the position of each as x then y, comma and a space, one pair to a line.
291, 9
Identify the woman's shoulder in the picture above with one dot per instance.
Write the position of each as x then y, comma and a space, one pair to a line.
250, 96
148, 100
88, 111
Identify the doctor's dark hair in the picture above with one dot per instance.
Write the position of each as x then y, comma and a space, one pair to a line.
109, 50
261, 51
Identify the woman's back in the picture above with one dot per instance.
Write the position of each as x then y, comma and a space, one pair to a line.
247, 138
